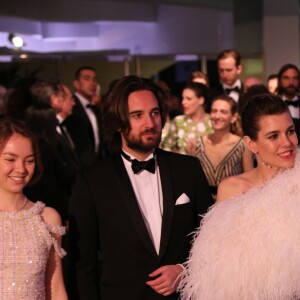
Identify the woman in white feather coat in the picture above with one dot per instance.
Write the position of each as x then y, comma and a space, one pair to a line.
248, 246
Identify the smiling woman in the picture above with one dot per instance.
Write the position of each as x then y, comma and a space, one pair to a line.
223, 153
30, 232
244, 242
269, 133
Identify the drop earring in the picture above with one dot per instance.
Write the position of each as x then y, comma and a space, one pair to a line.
264, 164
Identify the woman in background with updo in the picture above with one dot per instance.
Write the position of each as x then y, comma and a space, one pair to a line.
185, 129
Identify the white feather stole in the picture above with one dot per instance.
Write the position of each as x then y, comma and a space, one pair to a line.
248, 247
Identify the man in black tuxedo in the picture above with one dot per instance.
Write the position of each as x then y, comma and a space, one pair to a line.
288, 88
84, 125
229, 69
139, 206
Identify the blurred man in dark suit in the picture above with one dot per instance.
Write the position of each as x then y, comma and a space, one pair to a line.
229, 68
288, 88
84, 125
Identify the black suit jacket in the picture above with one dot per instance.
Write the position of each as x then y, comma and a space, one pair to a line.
105, 215
60, 168
81, 131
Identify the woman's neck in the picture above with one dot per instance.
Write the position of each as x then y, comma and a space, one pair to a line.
264, 172
219, 136
12, 202
199, 116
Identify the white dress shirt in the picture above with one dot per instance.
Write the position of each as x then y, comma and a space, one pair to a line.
234, 94
64, 134
147, 188
295, 111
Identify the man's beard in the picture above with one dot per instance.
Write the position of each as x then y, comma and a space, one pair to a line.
139, 145
290, 91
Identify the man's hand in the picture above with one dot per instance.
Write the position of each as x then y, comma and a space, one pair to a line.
167, 281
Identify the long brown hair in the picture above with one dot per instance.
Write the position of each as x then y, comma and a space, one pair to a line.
115, 107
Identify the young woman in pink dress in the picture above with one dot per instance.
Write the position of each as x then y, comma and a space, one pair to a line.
30, 252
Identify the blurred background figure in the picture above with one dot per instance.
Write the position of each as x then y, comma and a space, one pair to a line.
254, 90
51, 102
288, 88
186, 128
173, 104
199, 77
250, 81
223, 152
84, 125
229, 68
272, 83
17, 100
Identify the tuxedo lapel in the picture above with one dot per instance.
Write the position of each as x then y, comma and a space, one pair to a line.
131, 204
168, 202
68, 151
80, 111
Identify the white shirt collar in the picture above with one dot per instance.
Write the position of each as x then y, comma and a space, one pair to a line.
82, 100
133, 157
59, 118
237, 84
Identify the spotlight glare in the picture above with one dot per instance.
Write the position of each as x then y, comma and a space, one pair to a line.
16, 40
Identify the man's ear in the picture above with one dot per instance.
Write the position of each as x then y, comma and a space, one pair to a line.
76, 85
53, 101
239, 69
250, 144
201, 101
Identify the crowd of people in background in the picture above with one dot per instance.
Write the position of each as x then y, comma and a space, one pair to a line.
88, 140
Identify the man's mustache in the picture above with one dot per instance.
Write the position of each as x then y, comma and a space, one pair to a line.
291, 86
150, 130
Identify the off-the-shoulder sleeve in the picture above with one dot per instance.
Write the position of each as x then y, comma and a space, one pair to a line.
58, 230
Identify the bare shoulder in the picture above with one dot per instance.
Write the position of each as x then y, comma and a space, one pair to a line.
51, 216
232, 186
235, 138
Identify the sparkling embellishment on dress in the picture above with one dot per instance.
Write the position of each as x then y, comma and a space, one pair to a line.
25, 244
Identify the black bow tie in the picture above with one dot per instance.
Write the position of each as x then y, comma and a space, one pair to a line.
148, 165
137, 166
293, 103
235, 89
92, 107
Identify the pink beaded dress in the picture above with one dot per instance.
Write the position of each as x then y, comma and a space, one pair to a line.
25, 244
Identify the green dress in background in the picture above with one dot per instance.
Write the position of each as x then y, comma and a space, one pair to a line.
183, 128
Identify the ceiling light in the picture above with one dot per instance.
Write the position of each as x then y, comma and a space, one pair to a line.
23, 56
16, 40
